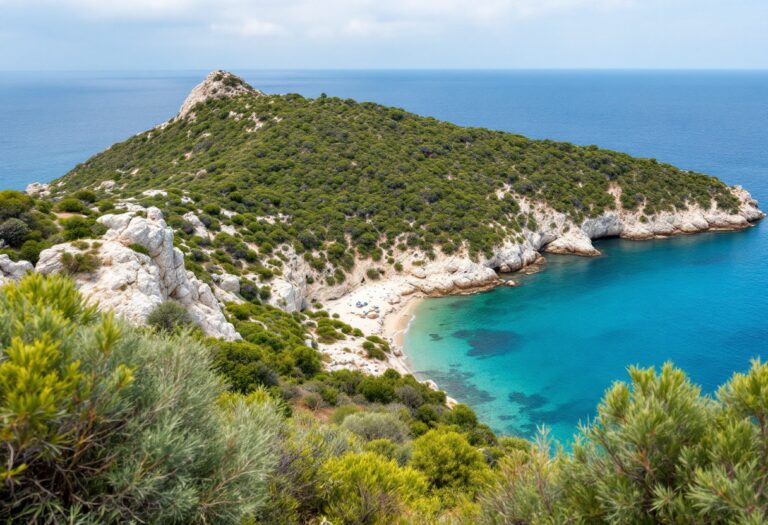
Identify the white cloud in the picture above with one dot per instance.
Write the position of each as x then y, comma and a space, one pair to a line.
326, 19
250, 27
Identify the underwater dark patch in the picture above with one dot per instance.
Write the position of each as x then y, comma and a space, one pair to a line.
458, 384
435, 337
528, 402
486, 343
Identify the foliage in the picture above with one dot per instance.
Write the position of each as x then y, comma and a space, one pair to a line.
170, 316
367, 489
13, 232
103, 424
377, 425
657, 452
449, 461
26, 226
74, 263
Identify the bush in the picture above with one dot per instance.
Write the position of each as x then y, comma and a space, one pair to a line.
448, 461
79, 263
71, 205
170, 316
341, 413
377, 425
139, 248
104, 424
242, 365
13, 231
369, 489
14, 203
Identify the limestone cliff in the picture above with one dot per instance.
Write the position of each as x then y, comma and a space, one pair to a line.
133, 283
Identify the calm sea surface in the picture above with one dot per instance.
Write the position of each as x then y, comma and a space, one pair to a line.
543, 353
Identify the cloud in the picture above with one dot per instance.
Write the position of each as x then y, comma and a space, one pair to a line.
250, 27
350, 18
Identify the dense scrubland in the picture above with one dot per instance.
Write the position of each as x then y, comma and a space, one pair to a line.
104, 423
340, 179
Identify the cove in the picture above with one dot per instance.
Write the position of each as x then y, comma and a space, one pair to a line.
543, 353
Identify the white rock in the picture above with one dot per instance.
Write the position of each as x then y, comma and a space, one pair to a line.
133, 284
215, 86
10, 270
197, 224
38, 189
286, 295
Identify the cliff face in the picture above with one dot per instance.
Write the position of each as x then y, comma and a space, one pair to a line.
132, 283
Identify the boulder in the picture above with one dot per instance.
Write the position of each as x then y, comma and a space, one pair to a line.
10, 270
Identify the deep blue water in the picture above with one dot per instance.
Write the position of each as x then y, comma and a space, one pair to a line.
542, 353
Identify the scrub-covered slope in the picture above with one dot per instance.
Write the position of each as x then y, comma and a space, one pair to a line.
306, 189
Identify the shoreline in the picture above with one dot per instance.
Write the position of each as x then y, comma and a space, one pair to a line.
394, 327
387, 310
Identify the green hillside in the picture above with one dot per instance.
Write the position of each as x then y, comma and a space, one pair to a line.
339, 172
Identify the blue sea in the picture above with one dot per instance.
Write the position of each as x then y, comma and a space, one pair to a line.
542, 353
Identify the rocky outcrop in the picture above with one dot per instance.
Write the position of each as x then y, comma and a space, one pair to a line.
134, 283
10, 270
38, 189
218, 84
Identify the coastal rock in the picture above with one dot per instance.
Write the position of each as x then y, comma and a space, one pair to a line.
575, 242
10, 270
218, 84
38, 189
133, 283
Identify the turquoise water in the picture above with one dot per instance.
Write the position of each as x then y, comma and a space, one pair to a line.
542, 353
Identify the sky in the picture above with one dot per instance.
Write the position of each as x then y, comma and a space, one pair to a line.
382, 34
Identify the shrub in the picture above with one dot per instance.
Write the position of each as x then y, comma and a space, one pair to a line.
313, 401
170, 316
448, 461
81, 227
71, 205
104, 424
14, 203
139, 248
341, 413
30, 250
377, 425
85, 196
13, 231
242, 364
79, 263
369, 489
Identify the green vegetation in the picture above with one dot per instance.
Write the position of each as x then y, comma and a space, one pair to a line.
101, 423
169, 316
339, 179
27, 226
74, 263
